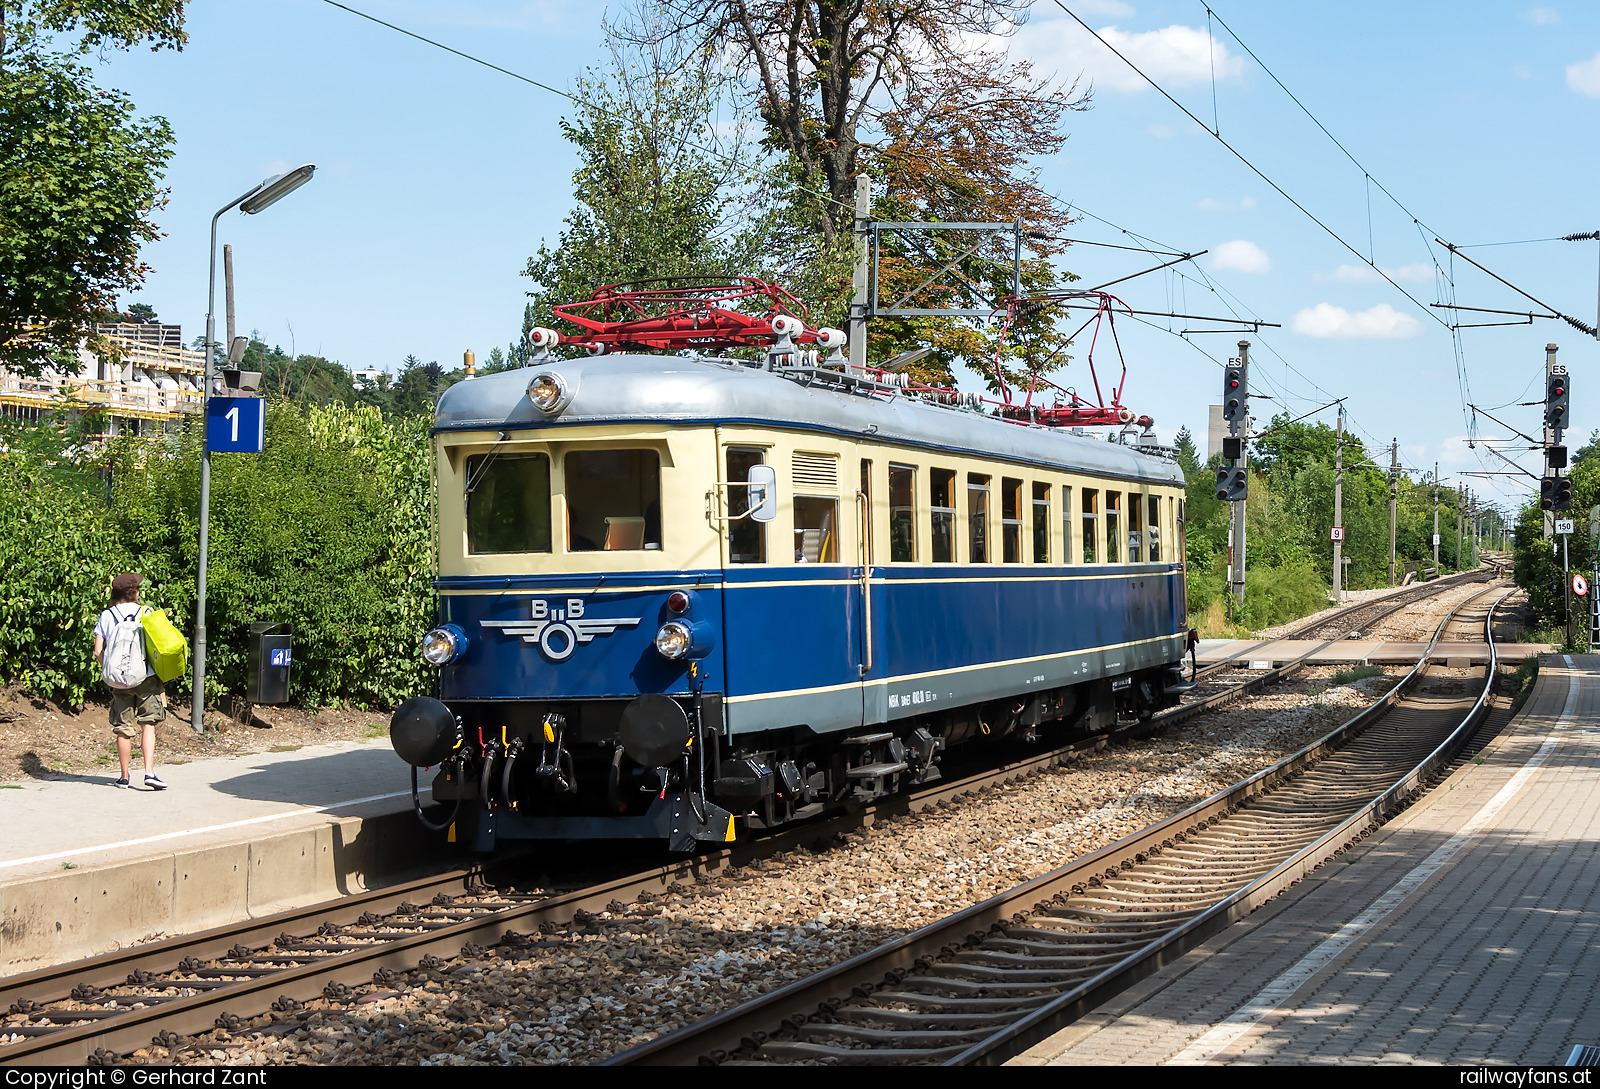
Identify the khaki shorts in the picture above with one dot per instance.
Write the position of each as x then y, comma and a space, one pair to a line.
134, 708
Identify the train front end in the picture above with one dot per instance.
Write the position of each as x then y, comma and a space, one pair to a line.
579, 691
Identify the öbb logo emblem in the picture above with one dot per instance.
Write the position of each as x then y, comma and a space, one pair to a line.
558, 631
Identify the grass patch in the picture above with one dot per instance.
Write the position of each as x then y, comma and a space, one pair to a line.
69, 865
373, 730
283, 748
1522, 679
1357, 673
10, 786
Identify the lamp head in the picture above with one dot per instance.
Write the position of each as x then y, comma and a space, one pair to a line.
276, 188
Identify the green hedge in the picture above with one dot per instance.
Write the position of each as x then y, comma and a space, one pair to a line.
328, 530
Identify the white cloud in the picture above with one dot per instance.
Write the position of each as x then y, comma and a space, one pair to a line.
1522, 71
1243, 204
1584, 77
1109, 9
1542, 16
1365, 274
1241, 256
1162, 132
1173, 56
1382, 321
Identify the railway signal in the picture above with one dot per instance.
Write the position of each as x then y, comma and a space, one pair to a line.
1557, 399
1235, 393
1547, 493
1563, 495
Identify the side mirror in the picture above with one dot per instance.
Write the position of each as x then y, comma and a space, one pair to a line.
763, 480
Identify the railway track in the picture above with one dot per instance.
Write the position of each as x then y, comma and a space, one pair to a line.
990, 981
166, 992
1355, 618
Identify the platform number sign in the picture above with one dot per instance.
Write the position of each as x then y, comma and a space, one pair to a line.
1336, 534
1580, 585
235, 425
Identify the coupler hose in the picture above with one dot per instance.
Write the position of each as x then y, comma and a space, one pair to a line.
505, 775
486, 777
416, 803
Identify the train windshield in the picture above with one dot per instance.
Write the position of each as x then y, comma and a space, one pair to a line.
508, 503
613, 500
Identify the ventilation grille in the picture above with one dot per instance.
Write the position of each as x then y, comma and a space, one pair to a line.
816, 471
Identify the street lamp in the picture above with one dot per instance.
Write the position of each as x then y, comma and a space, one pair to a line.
261, 197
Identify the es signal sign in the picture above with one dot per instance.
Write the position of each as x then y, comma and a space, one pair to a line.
1336, 534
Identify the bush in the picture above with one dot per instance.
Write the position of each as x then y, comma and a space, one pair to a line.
330, 530
1276, 595
326, 530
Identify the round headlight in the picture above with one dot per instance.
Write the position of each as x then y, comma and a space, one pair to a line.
546, 393
673, 640
441, 646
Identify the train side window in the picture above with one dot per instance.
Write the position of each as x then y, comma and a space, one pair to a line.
1041, 522
1153, 528
508, 503
1091, 518
943, 508
613, 500
747, 538
1113, 526
978, 518
1135, 534
902, 514
816, 529
1010, 520
866, 493
1067, 515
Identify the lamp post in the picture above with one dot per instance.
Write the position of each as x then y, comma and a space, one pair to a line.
258, 199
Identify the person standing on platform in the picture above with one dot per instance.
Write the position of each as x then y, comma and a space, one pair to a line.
136, 704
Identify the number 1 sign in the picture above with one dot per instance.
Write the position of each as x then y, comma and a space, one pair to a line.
235, 425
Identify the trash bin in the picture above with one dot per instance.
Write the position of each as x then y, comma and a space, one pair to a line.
268, 668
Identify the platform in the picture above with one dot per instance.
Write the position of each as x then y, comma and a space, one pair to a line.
1466, 931
1249, 652
86, 867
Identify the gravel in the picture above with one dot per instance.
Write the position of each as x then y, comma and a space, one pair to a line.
619, 979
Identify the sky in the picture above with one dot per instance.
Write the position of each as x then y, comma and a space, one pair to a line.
1470, 123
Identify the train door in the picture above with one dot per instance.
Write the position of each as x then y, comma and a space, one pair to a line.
792, 588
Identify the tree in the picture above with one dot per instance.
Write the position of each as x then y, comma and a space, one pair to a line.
79, 173
656, 196
946, 127
821, 70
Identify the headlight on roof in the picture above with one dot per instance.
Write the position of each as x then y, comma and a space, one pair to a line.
547, 392
443, 645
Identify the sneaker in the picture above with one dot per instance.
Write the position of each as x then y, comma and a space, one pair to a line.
120, 783
153, 781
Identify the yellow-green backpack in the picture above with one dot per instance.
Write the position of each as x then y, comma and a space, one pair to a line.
165, 646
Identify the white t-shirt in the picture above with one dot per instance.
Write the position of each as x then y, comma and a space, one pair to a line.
110, 619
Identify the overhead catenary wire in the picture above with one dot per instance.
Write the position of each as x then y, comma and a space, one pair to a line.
1150, 245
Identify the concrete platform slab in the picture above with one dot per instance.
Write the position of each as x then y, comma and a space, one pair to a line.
86, 867
1463, 932
1247, 653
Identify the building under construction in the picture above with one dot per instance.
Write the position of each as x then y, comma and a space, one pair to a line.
155, 383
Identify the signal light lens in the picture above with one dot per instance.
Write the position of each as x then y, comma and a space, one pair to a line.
678, 602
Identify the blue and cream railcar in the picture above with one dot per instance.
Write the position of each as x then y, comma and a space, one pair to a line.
676, 594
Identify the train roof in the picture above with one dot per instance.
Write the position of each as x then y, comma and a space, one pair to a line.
624, 388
